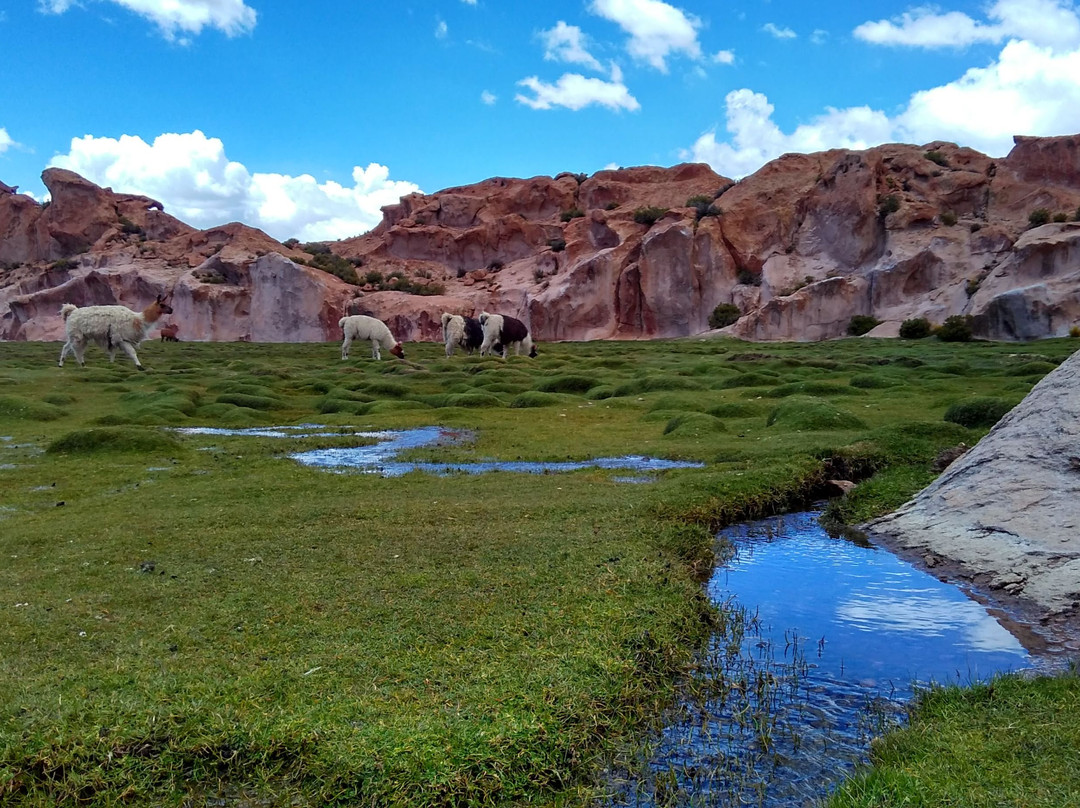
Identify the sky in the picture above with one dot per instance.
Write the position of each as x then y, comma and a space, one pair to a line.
305, 119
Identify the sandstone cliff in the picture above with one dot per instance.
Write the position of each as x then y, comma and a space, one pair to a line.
801, 246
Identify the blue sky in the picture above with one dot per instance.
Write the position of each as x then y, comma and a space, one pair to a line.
304, 121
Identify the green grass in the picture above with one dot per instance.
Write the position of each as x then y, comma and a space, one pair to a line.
1006, 743
205, 618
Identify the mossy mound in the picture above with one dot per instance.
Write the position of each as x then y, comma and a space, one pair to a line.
806, 413
566, 383
28, 409
978, 413
693, 425
114, 439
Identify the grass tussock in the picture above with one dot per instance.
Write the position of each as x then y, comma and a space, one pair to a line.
28, 409
114, 439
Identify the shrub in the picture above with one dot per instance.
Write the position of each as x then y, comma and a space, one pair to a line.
748, 277
977, 413
557, 244
975, 227
972, 286
1074, 332
614, 205
723, 315
129, 227
888, 204
649, 215
1061, 217
572, 213
291, 243
495, 265
1076, 216
63, 263
948, 218
915, 328
956, 328
861, 323
937, 157
1039, 216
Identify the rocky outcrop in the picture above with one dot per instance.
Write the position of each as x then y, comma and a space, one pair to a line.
800, 247
1006, 511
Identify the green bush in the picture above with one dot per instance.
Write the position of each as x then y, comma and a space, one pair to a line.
862, 323
557, 244
572, 213
1061, 217
1039, 216
978, 413
703, 206
937, 157
724, 315
956, 328
649, 215
888, 204
948, 218
748, 277
915, 328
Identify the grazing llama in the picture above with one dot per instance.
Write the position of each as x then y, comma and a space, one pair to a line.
465, 332
362, 327
110, 327
501, 331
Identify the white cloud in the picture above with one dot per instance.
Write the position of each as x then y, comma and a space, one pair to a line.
724, 57
1050, 23
488, 97
5, 140
469, 2
191, 176
656, 29
756, 139
173, 17
566, 43
780, 33
820, 36
575, 92
1028, 89
441, 29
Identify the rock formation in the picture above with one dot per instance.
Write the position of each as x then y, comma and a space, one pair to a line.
800, 247
1006, 510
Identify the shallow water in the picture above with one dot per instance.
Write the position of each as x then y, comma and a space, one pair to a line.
380, 457
835, 639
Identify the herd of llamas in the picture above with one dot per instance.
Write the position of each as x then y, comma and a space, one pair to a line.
118, 327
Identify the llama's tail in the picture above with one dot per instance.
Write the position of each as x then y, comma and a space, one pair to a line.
66, 309
341, 322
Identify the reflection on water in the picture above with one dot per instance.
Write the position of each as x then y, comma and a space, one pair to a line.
831, 640
380, 457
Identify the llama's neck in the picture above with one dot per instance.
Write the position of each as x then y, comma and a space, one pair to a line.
152, 313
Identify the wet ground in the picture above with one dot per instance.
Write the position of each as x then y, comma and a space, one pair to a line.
380, 457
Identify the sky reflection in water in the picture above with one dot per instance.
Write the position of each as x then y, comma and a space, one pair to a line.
379, 457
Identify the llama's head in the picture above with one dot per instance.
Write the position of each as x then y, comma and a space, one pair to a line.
532, 353
398, 351
162, 303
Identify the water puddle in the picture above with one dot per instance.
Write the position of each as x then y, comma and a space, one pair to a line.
380, 457
828, 642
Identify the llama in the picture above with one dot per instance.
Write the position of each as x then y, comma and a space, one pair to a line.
502, 331
170, 333
111, 327
461, 331
360, 326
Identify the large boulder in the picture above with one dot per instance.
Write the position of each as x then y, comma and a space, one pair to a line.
1006, 511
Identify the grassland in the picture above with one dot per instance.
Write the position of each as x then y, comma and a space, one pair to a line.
193, 618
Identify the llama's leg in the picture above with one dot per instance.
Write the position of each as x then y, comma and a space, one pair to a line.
345, 345
449, 347
78, 347
375, 354
65, 351
129, 349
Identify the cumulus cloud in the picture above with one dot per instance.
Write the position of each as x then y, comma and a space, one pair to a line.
780, 33
567, 43
488, 97
1048, 23
191, 176
441, 29
724, 57
1029, 90
176, 18
756, 139
656, 29
5, 140
575, 92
